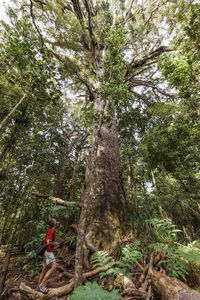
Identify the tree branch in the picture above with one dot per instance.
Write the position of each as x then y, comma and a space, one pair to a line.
77, 10
153, 86
128, 14
154, 10
140, 62
33, 19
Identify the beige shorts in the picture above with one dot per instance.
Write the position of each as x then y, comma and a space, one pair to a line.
48, 258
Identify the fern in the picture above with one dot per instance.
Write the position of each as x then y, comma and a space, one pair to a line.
163, 230
71, 241
177, 256
102, 259
91, 291
190, 252
131, 254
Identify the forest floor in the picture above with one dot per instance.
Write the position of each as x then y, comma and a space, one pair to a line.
16, 274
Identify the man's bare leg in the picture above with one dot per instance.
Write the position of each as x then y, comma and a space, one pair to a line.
49, 272
42, 274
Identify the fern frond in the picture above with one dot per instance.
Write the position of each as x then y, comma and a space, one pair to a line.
91, 291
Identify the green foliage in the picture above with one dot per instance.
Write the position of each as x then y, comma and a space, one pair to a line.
131, 253
102, 259
91, 291
32, 262
71, 241
177, 256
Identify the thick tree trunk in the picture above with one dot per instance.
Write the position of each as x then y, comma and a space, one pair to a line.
171, 288
102, 194
103, 184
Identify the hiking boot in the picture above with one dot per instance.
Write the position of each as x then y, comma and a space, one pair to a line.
42, 289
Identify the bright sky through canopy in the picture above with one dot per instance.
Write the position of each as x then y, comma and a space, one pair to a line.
3, 4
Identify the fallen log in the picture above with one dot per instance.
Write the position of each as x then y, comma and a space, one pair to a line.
55, 292
171, 288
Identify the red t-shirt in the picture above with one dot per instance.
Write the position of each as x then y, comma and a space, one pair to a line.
51, 235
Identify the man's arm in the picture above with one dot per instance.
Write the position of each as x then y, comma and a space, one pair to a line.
49, 242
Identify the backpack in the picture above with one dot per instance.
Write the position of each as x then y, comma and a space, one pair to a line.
40, 249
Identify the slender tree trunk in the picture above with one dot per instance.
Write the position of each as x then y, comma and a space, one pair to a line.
80, 241
60, 179
130, 182
4, 271
12, 138
7, 215
157, 194
16, 106
74, 176
9, 144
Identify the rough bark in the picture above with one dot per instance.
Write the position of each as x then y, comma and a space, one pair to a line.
103, 183
102, 197
172, 288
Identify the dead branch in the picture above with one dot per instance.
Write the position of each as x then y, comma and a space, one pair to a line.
54, 199
89, 243
149, 273
65, 272
155, 261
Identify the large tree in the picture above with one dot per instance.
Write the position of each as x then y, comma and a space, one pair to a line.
107, 52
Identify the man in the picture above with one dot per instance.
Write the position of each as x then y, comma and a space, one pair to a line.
48, 258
